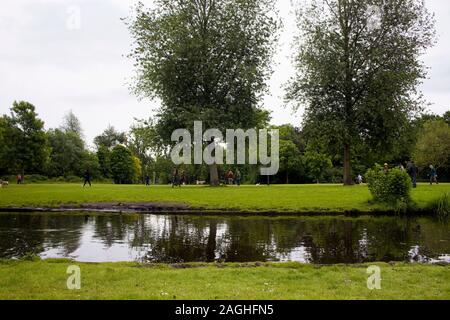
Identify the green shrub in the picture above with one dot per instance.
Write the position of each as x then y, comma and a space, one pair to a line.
441, 207
392, 188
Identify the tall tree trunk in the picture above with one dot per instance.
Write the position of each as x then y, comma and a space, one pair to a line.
348, 181
214, 175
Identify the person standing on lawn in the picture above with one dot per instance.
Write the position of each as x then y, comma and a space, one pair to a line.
230, 176
433, 175
175, 181
87, 178
238, 177
413, 172
182, 178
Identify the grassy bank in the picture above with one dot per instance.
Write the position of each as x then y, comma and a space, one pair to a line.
298, 198
47, 280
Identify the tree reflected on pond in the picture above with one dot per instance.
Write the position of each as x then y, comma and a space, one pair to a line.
172, 239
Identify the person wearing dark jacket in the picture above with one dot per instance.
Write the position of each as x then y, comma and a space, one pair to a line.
413, 172
87, 178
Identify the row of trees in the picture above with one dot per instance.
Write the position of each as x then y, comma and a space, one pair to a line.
358, 70
27, 148
128, 157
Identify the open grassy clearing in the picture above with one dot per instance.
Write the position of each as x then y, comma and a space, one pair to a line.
47, 280
277, 198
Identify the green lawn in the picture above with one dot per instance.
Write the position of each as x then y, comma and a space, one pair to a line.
298, 198
47, 280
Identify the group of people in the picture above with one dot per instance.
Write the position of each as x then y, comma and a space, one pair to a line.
412, 170
178, 178
233, 177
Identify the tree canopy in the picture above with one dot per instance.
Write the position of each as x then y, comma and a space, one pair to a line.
358, 69
206, 60
433, 145
26, 145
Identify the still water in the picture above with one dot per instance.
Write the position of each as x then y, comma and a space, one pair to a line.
169, 239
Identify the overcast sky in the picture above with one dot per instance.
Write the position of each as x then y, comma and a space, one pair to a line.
70, 55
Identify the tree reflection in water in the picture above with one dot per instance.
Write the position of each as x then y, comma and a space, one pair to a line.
170, 239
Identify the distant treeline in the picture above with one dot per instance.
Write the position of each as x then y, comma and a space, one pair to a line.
61, 154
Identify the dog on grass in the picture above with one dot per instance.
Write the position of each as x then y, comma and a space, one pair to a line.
4, 184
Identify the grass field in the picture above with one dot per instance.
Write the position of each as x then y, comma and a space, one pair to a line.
47, 280
298, 198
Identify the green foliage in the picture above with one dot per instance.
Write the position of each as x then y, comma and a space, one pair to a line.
206, 60
104, 161
25, 147
72, 124
144, 143
3, 129
433, 145
441, 207
392, 188
359, 70
137, 170
123, 167
110, 138
290, 158
446, 117
67, 153
316, 164
89, 161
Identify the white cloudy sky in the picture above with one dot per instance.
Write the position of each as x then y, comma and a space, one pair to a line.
45, 60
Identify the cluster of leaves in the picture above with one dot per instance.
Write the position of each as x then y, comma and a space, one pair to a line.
358, 70
433, 145
392, 187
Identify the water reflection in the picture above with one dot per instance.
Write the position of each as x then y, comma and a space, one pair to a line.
153, 238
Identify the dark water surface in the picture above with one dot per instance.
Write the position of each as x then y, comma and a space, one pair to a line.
152, 238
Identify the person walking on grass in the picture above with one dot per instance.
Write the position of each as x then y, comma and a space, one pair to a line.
182, 178
175, 180
19, 179
413, 172
87, 178
147, 180
359, 179
433, 175
238, 177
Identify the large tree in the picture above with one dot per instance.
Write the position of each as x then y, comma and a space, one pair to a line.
110, 138
206, 60
67, 152
72, 124
26, 143
143, 142
358, 70
123, 165
3, 129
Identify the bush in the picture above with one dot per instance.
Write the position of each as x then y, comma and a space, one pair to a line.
392, 188
441, 207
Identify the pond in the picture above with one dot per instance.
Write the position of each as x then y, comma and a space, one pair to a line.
173, 239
